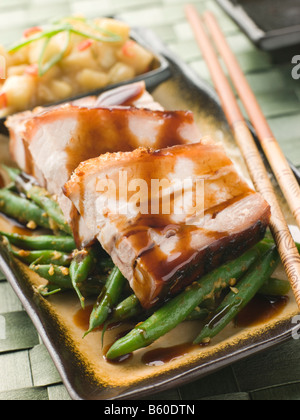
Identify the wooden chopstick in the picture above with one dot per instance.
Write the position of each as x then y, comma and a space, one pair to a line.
278, 162
244, 138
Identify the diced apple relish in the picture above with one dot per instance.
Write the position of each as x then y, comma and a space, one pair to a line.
71, 57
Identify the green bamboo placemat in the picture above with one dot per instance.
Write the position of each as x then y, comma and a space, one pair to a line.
26, 369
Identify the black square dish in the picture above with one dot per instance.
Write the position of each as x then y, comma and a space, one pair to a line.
270, 24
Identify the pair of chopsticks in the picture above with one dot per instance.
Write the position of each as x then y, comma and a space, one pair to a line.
244, 138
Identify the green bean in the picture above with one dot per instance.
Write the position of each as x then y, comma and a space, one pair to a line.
237, 299
127, 309
179, 308
198, 314
41, 242
131, 308
13, 173
91, 287
80, 269
45, 201
23, 210
275, 287
39, 196
43, 257
49, 290
60, 276
104, 264
107, 299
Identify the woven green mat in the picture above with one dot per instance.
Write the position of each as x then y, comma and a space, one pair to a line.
26, 369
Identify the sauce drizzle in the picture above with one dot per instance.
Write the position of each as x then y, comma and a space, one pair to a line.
261, 310
161, 356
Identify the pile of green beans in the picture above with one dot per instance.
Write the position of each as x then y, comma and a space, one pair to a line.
52, 255
40, 197
215, 299
179, 308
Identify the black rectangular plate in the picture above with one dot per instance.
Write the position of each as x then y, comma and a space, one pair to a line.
184, 89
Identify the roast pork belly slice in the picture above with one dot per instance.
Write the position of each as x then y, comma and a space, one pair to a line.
60, 139
50, 143
134, 94
213, 214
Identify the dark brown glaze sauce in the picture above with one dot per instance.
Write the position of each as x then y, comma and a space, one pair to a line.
82, 317
103, 130
261, 310
161, 356
121, 359
2, 182
81, 320
28, 159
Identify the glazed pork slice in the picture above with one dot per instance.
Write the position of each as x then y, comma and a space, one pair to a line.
49, 145
129, 95
61, 139
167, 217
